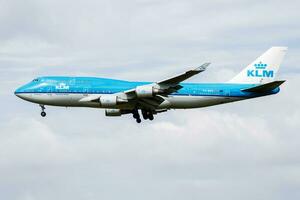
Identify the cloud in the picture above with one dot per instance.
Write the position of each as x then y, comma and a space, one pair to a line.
241, 150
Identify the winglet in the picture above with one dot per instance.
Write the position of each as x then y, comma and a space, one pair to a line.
202, 67
183, 76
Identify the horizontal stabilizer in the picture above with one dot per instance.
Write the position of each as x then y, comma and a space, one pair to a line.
264, 87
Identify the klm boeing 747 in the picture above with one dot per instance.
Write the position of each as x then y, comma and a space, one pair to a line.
119, 97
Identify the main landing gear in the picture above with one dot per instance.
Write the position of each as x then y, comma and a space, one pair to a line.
136, 116
145, 113
43, 113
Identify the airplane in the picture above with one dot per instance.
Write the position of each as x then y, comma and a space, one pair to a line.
120, 97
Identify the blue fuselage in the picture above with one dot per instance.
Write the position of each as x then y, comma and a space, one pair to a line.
67, 91
88, 85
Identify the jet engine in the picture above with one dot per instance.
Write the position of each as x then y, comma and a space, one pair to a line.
111, 100
113, 112
108, 100
145, 91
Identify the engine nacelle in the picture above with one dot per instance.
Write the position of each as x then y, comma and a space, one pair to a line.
113, 112
145, 91
108, 100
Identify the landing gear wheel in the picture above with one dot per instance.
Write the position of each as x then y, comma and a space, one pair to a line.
43, 114
136, 114
145, 114
151, 117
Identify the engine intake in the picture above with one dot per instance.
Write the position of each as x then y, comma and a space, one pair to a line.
113, 112
111, 100
108, 100
145, 91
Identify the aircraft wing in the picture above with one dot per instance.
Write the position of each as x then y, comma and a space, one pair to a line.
150, 96
183, 76
169, 85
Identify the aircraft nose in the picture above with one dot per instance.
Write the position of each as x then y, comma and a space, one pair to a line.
21, 93
18, 92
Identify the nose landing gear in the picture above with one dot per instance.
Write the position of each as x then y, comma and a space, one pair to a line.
43, 113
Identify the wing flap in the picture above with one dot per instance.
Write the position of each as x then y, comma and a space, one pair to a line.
151, 103
90, 98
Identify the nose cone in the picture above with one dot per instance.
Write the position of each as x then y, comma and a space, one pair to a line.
23, 94
20, 91
17, 92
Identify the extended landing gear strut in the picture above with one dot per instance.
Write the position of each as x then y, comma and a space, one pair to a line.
145, 113
43, 113
136, 115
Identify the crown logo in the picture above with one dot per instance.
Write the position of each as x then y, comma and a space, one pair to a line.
260, 65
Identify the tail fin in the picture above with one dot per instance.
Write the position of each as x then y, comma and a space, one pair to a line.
263, 69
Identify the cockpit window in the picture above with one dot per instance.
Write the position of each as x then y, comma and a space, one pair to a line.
35, 80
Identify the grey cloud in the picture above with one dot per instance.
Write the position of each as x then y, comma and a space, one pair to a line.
243, 150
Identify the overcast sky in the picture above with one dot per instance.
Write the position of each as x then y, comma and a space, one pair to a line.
245, 150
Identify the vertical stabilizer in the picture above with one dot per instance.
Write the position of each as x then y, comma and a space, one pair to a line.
263, 69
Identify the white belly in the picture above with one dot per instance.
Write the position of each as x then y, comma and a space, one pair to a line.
183, 102
171, 102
